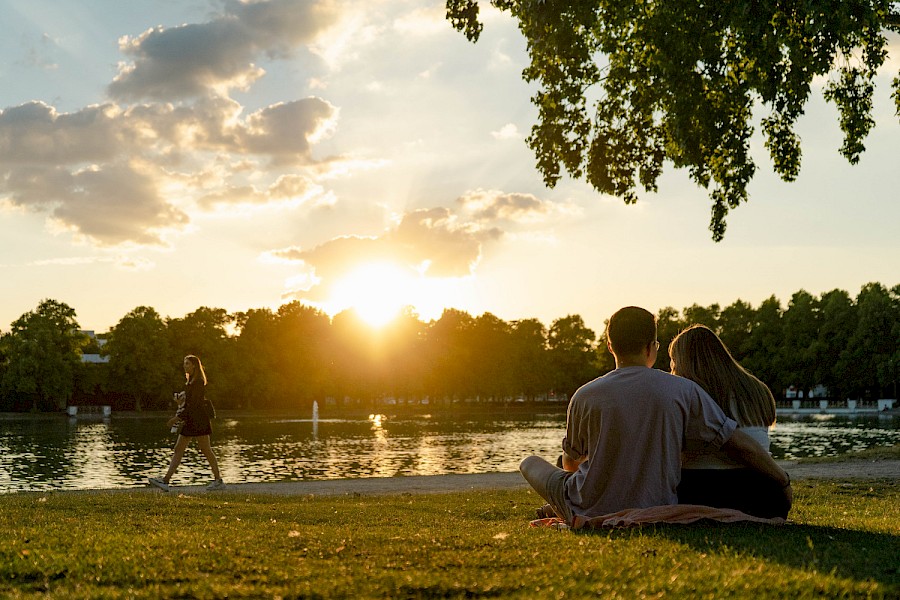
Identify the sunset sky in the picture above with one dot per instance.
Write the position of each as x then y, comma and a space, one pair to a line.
187, 153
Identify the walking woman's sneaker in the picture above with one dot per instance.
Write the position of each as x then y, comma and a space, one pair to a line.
218, 484
161, 484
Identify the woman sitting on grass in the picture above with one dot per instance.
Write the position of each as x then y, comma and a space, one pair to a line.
709, 477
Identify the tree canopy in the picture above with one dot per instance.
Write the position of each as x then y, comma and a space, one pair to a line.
290, 357
43, 353
625, 86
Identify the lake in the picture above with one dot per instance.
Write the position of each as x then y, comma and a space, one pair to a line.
61, 453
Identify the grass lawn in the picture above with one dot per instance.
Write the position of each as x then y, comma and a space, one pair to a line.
843, 541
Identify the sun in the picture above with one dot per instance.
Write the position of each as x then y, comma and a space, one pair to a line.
376, 291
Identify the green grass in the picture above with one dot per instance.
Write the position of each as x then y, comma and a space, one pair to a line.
843, 541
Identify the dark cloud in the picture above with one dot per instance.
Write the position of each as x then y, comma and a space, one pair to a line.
197, 59
35, 133
110, 205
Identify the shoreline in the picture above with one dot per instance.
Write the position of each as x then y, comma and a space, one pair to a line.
851, 469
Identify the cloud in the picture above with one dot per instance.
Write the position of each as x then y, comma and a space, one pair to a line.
426, 22
288, 189
286, 130
113, 204
494, 205
108, 174
126, 173
431, 242
507, 132
126, 263
35, 133
434, 236
115, 175
283, 132
211, 58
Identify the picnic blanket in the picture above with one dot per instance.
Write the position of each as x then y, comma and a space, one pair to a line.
674, 513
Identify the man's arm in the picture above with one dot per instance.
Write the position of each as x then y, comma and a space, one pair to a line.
744, 449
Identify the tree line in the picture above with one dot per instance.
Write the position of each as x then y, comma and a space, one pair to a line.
289, 357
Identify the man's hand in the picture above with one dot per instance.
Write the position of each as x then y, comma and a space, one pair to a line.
570, 464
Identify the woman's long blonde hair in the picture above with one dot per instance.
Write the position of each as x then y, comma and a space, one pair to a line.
699, 355
198, 369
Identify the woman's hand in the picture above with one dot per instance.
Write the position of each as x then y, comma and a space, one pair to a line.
173, 421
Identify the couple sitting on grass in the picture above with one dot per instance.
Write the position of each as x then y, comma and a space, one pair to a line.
638, 437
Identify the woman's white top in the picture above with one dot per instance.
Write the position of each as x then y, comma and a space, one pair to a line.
697, 455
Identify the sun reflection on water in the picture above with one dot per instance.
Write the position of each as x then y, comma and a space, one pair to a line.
57, 453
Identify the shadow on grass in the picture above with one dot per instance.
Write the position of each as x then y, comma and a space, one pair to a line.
857, 555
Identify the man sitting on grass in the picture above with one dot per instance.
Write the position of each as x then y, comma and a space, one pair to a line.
625, 432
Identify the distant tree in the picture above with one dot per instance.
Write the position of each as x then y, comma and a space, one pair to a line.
255, 345
204, 333
736, 326
6, 403
403, 366
141, 362
868, 360
395, 354
894, 363
572, 353
302, 337
624, 87
492, 344
43, 350
450, 352
606, 362
702, 315
668, 324
797, 353
838, 323
352, 358
762, 350
531, 372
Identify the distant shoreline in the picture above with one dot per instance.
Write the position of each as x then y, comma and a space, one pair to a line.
331, 412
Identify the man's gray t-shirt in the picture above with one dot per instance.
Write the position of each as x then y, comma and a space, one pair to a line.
632, 424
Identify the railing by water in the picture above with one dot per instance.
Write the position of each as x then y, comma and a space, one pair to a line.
834, 406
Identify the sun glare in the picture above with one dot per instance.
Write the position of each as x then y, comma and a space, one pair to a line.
378, 292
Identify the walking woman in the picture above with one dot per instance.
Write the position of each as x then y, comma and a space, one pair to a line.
708, 476
194, 415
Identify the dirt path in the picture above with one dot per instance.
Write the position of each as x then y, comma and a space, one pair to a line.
433, 484
850, 469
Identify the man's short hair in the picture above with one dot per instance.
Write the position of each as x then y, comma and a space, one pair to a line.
630, 330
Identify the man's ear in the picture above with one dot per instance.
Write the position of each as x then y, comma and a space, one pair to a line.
609, 348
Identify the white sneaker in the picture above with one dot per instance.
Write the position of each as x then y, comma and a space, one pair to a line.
161, 484
218, 484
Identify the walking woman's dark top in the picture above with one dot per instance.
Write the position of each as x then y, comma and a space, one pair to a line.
196, 419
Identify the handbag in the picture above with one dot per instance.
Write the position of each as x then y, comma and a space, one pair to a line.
210, 409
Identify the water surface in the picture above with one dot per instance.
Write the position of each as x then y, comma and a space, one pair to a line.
57, 452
